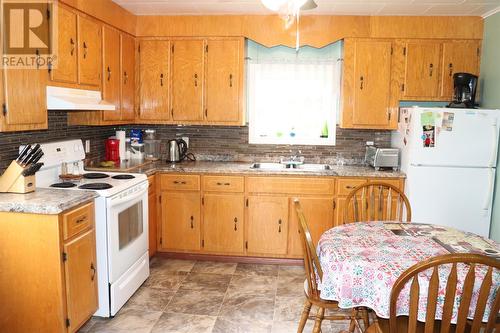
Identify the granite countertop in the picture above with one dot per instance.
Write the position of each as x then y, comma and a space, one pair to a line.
244, 168
44, 201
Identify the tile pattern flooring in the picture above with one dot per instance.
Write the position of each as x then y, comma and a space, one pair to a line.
202, 297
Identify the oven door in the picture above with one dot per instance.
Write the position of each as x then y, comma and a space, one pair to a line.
127, 214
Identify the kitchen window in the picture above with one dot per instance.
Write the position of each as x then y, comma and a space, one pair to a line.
293, 97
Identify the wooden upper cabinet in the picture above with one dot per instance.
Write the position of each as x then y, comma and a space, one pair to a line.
367, 81
319, 213
181, 225
224, 80
67, 63
89, 51
154, 64
127, 53
25, 100
422, 69
187, 80
458, 57
111, 72
267, 225
81, 279
223, 223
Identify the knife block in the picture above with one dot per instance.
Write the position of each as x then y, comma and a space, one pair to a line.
13, 180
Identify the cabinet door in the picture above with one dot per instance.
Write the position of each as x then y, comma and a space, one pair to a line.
154, 64
67, 63
187, 80
224, 70
223, 223
111, 71
422, 69
89, 51
371, 85
181, 221
81, 279
25, 99
127, 77
267, 225
458, 57
152, 224
319, 214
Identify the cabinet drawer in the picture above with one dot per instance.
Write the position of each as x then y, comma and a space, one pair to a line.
223, 183
78, 220
346, 185
290, 185
180, 182
394, 182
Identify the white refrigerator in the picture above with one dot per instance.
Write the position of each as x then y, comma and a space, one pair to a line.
449, 157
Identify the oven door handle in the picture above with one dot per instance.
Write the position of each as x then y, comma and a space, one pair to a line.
128, 198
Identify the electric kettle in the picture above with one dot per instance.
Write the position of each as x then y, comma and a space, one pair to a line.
177, 150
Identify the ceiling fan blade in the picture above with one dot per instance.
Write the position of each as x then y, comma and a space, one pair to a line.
310, 4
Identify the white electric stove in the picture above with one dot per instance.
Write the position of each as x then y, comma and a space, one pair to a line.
121, 221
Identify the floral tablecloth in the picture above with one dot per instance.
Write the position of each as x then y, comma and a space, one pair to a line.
361, 262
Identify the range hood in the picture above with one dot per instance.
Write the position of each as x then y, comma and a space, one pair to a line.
76, 99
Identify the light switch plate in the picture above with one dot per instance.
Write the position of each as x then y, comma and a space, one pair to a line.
186, 138
87, 146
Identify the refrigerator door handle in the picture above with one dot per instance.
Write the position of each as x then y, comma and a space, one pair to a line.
494, 145
490, 190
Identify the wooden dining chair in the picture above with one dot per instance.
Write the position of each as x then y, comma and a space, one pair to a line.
313, 269
377, 201
472, 261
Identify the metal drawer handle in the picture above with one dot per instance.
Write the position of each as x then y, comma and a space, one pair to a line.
180, 182
196, 80
161, 79
350, 187
92, 268
279, 225
84, 50
125, 77
72, 42
431, 68
192, 221
225, 184
230, 80
361, 83
81, 219
109, 73
450, 66
235, 226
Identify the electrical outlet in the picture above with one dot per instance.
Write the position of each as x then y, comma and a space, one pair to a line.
87, 146
370, 143
185, 138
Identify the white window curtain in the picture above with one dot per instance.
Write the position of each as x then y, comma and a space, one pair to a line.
293, 101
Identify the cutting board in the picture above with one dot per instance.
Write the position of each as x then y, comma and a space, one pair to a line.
127, 166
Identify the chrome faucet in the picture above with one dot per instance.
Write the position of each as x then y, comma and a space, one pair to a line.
294, 159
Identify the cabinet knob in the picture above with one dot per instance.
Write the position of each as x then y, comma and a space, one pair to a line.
92, 268
279, 225
85, 50
235, 224
192, 221
72, 42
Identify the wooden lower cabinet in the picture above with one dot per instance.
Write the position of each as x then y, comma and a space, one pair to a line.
81, 279
181, 225
48, 276
153, 213
320, 216
267, 225
223, 223
252, 216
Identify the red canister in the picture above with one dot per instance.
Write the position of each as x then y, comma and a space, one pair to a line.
113, 150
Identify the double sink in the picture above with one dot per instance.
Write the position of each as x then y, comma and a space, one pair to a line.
265, 166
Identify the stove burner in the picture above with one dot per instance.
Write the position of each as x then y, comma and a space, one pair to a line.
95, 186
95, 175
123, 177
63, 185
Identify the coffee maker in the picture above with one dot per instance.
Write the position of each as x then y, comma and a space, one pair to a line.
464, 92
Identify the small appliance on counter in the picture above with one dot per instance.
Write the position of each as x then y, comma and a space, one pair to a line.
113, 150
151, 145
178, 151
382, 157
464, 91
20, 175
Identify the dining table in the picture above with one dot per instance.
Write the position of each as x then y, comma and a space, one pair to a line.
361, 261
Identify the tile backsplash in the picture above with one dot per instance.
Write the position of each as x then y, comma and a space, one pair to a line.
206, 142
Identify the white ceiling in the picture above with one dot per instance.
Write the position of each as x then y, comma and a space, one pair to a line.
325, 7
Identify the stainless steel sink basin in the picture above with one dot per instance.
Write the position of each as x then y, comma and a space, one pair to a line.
288, 167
